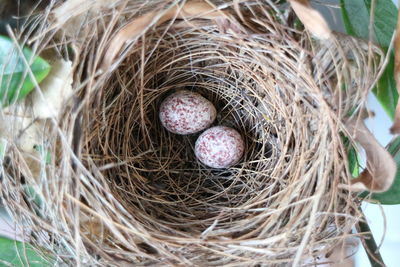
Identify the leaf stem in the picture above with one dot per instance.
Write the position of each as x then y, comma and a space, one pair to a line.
369, 243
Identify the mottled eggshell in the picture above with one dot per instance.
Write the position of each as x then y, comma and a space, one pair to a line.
219, 147
185, 112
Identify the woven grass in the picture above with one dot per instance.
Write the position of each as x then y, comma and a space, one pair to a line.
120, 189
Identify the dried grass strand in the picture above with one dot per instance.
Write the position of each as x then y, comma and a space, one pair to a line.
123, 190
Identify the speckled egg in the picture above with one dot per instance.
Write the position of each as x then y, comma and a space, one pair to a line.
185, 112
219, 147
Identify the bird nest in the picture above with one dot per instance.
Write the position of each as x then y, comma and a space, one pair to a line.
121, 189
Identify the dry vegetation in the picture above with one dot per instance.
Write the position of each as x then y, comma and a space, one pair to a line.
120, 189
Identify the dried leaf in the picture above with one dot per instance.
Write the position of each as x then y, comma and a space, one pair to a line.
73, 8
339, 256
20, 128
72, 15
225, 25
54, 90
93, 227
391, 196
381, 167
313, 20
139, 25
27, 133
395, 129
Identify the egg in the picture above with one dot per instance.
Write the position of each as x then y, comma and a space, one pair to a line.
186, 112
219, 147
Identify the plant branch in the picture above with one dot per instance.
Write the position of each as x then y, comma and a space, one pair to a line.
369, 243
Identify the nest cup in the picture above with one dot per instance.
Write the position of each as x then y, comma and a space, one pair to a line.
164, 184
137, 193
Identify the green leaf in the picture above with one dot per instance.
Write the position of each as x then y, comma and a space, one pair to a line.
3, 148
15, 81
19, 254
356, 19
46, 155
392, 196
33, 196
352, 155
386, 91
354, 161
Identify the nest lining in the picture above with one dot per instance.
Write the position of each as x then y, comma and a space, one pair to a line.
142, 195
